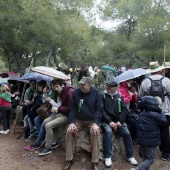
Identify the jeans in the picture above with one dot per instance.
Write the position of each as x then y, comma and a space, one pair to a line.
107, 140
28, 122
148, 155
41, 128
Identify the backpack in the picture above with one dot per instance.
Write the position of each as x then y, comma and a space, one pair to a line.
156, 88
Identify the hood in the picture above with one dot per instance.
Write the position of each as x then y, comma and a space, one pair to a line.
149, 103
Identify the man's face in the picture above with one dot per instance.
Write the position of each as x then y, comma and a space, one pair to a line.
53, 87
32, 84
59, 88
85, 88
111, 89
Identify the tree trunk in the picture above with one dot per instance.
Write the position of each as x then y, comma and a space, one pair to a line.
48, 58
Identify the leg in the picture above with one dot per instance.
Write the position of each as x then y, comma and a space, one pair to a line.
4, 118
107, 140
148, 155
70, 141
38, 121
124, 132
9, 109
94, 142
59, 121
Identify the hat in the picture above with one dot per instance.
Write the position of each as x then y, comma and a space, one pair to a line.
111, 83
85, 80
154, 67
166, 64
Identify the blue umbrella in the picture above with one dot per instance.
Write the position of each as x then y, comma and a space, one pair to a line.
130, 74
37, 77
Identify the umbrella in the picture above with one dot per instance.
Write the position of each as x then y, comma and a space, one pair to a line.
50, 72
108, 68
36, 76
130, 74
4, 81
13, 80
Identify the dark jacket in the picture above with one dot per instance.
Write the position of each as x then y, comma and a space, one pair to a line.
86, 106
66, 96
148, 133
111, 112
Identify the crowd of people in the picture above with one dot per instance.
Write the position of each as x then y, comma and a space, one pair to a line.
138, 112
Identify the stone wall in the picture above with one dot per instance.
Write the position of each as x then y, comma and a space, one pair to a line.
82, 141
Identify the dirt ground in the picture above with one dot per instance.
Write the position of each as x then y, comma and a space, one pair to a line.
14, 157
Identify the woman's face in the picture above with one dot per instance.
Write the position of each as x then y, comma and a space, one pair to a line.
40, 88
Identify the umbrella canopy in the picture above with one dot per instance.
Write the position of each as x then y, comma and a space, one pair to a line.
48, 71
108, 68
13, 80
4, 81
37, 77
130, 74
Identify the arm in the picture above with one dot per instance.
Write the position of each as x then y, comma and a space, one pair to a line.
98, 108
72, 113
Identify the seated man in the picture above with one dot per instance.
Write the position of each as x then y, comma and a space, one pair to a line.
61, 116
113, 120
85, 110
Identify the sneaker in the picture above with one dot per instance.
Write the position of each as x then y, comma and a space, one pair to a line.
32, 147
166, 157
54, 145
30, 138
45, 151
132, 161
108, 162
4, 132
8, 130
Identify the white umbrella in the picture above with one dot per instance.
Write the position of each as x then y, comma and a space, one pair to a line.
130, 74
50, 72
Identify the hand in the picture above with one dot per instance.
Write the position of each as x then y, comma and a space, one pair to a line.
72, 128
17, 93
48, 99
118, 124
95, 129
112, 124
35, 95
54, 109
130, 93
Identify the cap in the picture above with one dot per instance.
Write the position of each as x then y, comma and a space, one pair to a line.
111, 83
85, 80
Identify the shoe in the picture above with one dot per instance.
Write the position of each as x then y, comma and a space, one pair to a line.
8, 130
95, 166
132, 161
30, 138
5, 132
54, 145
108, 162
166, 157
68, 165
32, 147
45, 151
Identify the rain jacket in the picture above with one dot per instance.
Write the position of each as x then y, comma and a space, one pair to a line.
123, 90
112, 112
148, 123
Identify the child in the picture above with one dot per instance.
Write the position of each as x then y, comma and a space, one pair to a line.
5, 103
148, 134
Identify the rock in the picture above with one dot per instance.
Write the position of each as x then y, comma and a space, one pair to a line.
83, 141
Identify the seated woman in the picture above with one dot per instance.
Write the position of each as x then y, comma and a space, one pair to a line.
129, 94
54, 99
